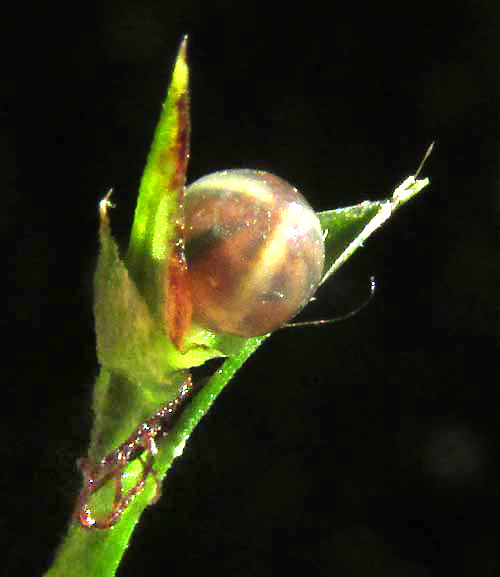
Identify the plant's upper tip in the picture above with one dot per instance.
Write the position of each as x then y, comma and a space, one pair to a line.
181, 68
183, 46
428, 152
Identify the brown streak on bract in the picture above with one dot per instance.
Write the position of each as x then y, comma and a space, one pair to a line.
178, 302
178, 297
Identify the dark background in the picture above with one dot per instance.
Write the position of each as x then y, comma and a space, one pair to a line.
364, 448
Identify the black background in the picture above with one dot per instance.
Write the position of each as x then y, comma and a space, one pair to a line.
364, 448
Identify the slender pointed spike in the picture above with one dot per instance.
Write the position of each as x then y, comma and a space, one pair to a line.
424, 159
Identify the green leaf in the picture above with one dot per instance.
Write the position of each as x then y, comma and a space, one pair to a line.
159, 205
348, 228
129, 340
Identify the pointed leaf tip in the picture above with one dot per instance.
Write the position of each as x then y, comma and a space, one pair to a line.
180, 75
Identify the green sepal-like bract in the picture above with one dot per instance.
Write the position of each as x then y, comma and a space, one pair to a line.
131, 339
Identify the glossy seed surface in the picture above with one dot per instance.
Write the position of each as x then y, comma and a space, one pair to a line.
254, 248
